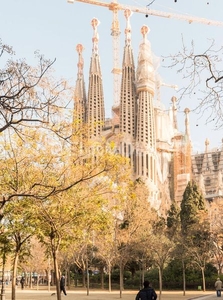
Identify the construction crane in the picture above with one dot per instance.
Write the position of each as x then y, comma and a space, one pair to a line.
115, 7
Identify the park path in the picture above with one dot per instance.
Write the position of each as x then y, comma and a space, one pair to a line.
27, 294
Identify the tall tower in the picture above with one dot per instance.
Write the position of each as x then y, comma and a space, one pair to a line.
95, 107
80, 98
128, 96
145, 132
182, 171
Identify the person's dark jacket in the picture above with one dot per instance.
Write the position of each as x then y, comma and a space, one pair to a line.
62, 281
146, 294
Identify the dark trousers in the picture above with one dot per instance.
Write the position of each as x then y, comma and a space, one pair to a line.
218, 293
62, 289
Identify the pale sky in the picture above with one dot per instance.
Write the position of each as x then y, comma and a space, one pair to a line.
55, 27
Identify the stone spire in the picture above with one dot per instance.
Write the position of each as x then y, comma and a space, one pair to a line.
80, 98
187, 124
145, 86
174, 112
95, 108
146, 162
127, 14
145, 76
206, 145
128, 95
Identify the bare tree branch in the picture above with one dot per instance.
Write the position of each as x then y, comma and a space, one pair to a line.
203, 76
25, 92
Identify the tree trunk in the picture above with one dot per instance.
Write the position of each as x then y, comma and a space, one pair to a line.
160, 282
121, 279
56, 270
30, 279
184, 277
76, 278
88, 280
14, 273
109, 277
3, 274
83, 277
37, 284
143, 272
102, 278
203, 279
68, 277
48, 275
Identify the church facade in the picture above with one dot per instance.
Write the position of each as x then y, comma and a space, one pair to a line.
143, 129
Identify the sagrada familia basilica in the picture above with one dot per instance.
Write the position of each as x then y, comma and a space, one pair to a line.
145, 131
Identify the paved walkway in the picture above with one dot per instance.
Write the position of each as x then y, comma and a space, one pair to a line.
105, 295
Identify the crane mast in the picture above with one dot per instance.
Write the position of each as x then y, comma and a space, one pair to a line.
115, 31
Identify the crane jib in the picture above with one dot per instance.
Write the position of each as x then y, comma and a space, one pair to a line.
115, 6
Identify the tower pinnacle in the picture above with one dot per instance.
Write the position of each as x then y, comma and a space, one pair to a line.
145, 30
127, 14
95, 103
80, 64
95, 38
206, 145
145, 76
174, 110
128, 95
79, 93
187, 123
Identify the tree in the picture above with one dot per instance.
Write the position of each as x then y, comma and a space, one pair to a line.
36, 262
20, 226
29, 96
217, 235
107, 249
57, 216
192, 203
5, 250
173, 221
174, 233
81, 209
195, 227
202, 74
201, 245
161, 247
43, 167
27, 93
41, 164
133, 226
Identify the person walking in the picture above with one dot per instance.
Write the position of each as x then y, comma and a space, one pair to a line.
22, 282
62, 285
147, 293
218, 287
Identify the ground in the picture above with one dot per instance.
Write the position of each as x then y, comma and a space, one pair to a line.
34, 294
